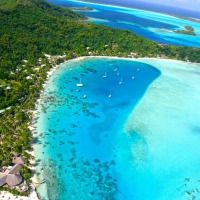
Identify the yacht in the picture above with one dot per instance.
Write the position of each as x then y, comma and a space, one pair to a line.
104, 76
120, 81
109, 96
115, 69
79, 84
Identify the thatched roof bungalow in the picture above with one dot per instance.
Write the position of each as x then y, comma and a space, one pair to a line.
11, 177
3, 178
15, 169
18, 160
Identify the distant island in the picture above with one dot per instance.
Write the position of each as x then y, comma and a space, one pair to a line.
82, 8
188, 31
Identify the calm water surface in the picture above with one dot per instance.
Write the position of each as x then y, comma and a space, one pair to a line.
128, 146
81, 143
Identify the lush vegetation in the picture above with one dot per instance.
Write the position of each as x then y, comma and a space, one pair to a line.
189, 28
32, 28
28, 30
188, 31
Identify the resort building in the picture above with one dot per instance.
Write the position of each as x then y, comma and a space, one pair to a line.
18, 160
11, 177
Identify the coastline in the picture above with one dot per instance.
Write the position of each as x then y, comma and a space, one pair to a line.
35, 112
149, 61
34, 178
52, 70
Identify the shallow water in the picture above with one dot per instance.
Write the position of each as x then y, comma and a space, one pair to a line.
81, 143
166, 152
128, 146
151, 25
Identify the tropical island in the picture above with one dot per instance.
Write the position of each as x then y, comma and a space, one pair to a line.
188, 31
35, 38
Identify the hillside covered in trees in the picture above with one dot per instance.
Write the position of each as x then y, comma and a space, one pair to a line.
32, 28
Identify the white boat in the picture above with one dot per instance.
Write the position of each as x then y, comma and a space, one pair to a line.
138, 69
104, 76
84, 96
118, 73
79, 84
120, 81
109, 96
133, 77
115, 69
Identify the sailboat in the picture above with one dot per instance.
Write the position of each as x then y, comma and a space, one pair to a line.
104, 76
109, 96
84, 96
138, 69
120, 81
115, 69
133, 77
79, 84
118, 73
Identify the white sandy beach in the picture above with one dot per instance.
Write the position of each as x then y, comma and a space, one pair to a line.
32, 129
8, 196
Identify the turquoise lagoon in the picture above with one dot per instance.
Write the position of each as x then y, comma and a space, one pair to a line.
129, 146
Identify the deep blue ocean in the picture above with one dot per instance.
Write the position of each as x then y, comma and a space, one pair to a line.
153, 7
151, 25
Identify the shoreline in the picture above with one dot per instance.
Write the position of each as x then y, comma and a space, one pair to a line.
34, 179
32, 127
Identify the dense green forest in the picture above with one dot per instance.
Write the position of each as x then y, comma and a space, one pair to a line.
32, 28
